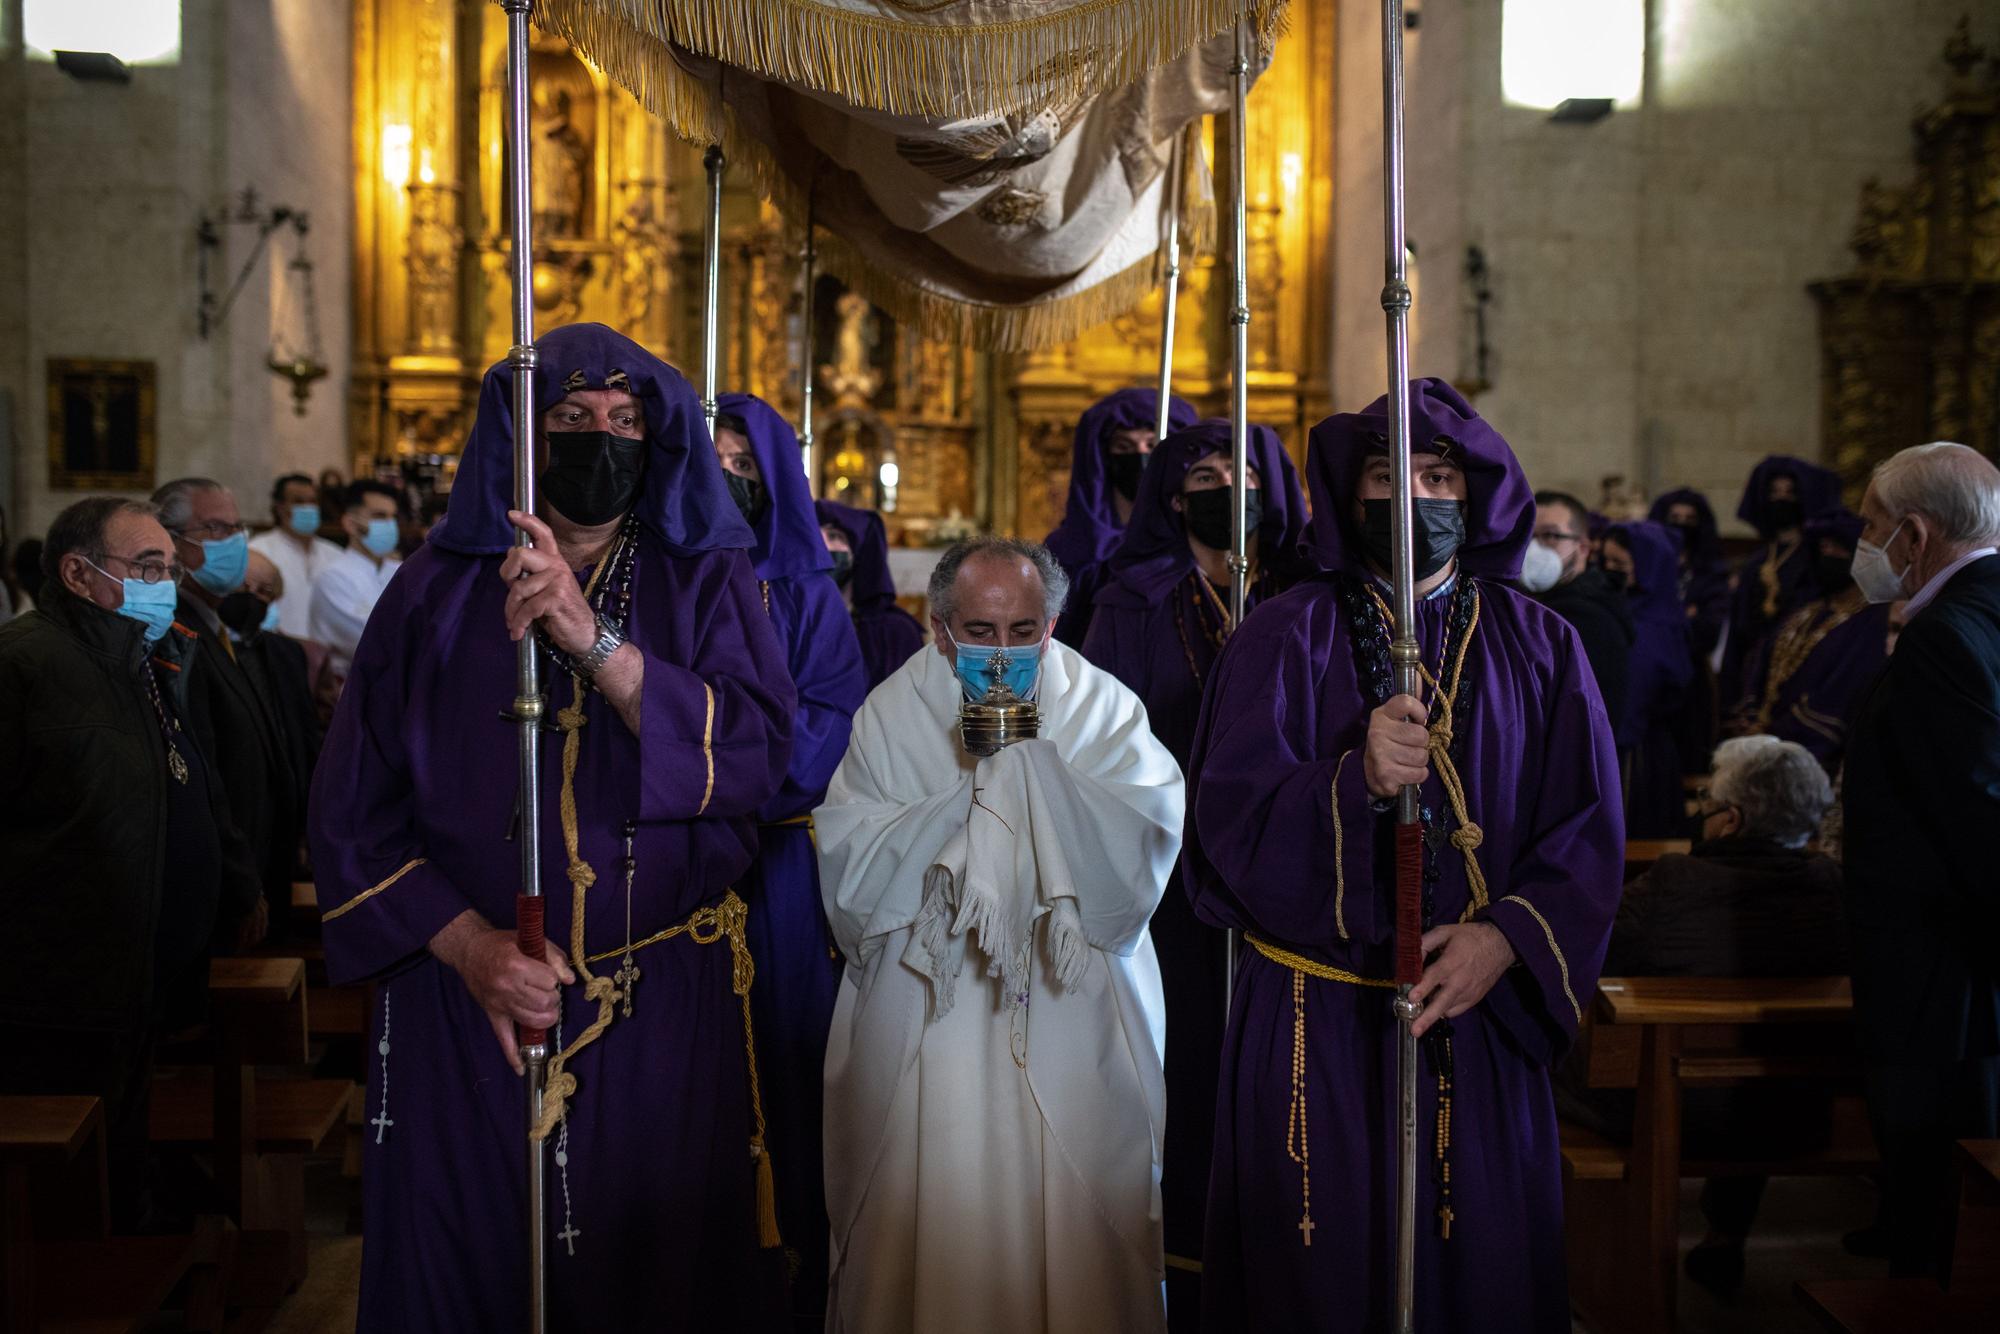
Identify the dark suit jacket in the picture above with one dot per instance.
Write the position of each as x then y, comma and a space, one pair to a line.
1922, 843
238, 731
1602, 619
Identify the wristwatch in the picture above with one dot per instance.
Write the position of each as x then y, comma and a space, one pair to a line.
609, 638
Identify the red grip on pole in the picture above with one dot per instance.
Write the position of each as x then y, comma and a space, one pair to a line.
1409, 904
530, 937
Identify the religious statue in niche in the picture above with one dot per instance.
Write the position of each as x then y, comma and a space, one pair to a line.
101, 425
852, 377
559, 155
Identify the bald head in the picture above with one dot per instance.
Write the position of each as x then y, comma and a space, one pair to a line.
996, 591
261, 577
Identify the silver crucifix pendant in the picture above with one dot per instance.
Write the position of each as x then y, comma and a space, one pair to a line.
627, 977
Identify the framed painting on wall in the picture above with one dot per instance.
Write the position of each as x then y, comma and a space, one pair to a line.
102, 425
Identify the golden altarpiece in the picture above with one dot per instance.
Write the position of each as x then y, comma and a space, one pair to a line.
1910, 340
618, 228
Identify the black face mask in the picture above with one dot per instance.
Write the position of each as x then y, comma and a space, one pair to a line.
1620, 581
243, 612
748, 493
843, 568
1783, 514
1690, 536
1122, 471
1437, 531
593, 476
1834, 573
1208, 517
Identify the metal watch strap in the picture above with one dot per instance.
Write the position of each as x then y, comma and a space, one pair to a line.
609, 639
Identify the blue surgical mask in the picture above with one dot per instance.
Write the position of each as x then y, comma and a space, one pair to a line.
381, 537
304, 520
271, 618
223, 564
1020, 667
151, 605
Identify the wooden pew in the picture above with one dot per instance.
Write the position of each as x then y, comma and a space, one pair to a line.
1658, 1036
260, 1129
61, 1272
1641, 853
1917, 1305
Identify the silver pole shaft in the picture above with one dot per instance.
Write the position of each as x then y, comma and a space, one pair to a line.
1239, 382
527, 671
711, 301
1170, 296
1403, 647
809, 276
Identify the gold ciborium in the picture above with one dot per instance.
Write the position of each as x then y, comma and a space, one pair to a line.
998, 719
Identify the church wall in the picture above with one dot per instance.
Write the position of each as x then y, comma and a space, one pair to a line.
108, 182
1648, 271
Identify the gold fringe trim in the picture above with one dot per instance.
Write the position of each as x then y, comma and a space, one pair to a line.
909, 66
708, 749
693, 109
368, 894
1339, 850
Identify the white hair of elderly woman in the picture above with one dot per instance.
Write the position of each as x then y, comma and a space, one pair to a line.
1778, 787
1955, 487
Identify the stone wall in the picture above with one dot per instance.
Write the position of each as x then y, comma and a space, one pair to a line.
101, 187
1649, 309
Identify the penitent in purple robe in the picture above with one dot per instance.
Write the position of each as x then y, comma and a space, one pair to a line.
1657, 679
1285, 842
414, 820
798, 969
1777, 578
888, 634
1158, 627
1808, 677
1090, 531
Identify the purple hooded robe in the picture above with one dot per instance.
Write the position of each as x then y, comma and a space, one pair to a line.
1776, 579
413, 819
1705, 594
888, 634
1090, 531
798, 973
1658, 674
1158, 629
1285, 842
1808, 677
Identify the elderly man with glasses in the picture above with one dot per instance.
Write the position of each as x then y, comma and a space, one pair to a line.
1583, 596
121, 859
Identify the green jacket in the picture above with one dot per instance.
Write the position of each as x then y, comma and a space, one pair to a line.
83, 802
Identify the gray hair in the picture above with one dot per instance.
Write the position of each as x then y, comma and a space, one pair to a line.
944, 579
81, 527
1953, 486
175, 500
1779, 787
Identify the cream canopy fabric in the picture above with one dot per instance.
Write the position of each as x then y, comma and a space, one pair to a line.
994, 169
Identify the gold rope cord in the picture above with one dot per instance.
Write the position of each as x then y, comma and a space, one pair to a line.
1767, 573
1468, 836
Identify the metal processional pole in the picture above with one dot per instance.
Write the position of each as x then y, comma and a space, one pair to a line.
527, 712
1403, 655
711, 301
1239, 384
809, 275
1170, 295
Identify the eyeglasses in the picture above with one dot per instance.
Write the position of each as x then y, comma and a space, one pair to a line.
145, 571
1548, 537
215, 530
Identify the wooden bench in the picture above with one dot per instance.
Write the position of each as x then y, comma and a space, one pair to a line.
60, 1270
259, 1128
1658, 1036
1641, 853
1917, 1305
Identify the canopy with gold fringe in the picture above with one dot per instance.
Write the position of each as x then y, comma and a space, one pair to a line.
994, 170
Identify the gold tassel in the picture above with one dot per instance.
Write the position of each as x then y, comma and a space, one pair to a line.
767, 1201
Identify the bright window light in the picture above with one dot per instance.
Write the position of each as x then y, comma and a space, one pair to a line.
138, 32
1553, 50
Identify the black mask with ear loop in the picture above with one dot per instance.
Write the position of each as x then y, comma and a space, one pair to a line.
1123, 472
843, 568
1437, 531
592, 476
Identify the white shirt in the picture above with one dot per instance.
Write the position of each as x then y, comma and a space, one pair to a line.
342, 598
1938, 580
301, 570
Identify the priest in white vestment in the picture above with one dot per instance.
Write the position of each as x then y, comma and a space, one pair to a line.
994, 1098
